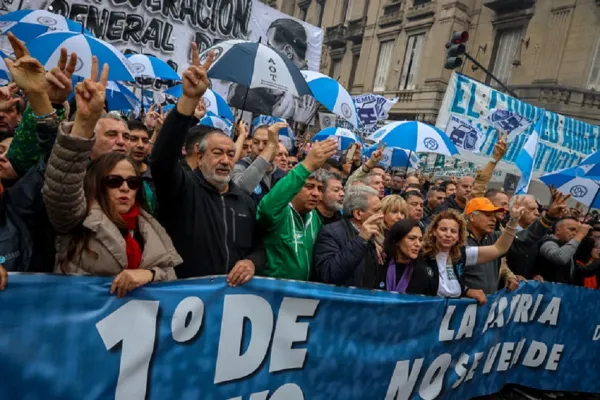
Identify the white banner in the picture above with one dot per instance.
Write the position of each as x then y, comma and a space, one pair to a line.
166, 29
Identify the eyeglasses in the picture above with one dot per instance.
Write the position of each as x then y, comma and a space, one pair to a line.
116, 181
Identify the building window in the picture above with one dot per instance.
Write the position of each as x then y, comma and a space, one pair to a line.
336, 69
420, 2
320, 12
383, 65
355, 58
594, 78
412, 58
507, 45
346, 11
302, 13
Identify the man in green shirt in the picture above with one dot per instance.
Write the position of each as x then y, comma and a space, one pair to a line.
288, 217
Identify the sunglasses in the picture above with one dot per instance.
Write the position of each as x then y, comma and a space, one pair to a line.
292, 164
116, 181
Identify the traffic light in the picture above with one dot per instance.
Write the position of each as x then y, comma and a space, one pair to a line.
455, 48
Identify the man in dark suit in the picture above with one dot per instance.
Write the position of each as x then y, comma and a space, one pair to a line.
345, 252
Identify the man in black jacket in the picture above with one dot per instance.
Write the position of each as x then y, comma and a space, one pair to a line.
344, 253
211, 221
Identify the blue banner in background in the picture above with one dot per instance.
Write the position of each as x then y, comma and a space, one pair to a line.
563, 142
67, 338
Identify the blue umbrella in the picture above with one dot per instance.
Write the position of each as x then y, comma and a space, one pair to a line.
255, 65
332, 95
212, 120
21, 30
573, 181
46, 49
345, 136
416, 137
286, 135
146, 66
395, 157
120, 97
213, 101
42, 19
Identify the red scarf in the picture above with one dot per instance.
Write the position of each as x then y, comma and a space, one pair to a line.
590, 282
132, 247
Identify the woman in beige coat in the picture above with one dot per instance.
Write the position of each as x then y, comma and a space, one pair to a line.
97, 208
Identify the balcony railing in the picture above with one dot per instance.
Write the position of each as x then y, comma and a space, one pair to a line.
508, 5
356, 29
335, 35
391, 17
421, 10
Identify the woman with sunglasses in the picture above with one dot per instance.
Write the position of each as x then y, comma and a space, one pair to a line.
97, 208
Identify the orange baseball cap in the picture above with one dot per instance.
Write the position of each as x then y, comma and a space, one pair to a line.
481, 204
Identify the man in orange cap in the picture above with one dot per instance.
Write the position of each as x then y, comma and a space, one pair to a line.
480, 214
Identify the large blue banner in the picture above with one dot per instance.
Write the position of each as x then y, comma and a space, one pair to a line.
67, 338
563, 140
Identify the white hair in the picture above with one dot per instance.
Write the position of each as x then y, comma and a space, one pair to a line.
357, 198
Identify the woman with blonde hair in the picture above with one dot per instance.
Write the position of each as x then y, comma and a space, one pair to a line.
394, 209
445, 254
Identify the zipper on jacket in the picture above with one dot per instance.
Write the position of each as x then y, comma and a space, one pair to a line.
233, 223
226, 242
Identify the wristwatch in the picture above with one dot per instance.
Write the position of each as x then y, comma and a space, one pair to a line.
493, 161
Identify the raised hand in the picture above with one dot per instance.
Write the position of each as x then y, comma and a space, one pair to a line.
500, 147
7, 97
195, 79
371, 227
319, 153
376, 156
273, 131
90, 96
242, 130
27, 72
60, 78
517, 209
200, 110
559, 204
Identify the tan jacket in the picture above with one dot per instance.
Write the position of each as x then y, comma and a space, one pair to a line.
66, 206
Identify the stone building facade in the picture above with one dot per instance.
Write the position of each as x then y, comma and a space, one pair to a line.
546, 51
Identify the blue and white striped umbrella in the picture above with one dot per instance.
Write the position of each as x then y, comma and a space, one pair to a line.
573, 181
146, 66
332, 96
29, 24
219, 123
46, 48
255, 65
345, 136
23, 31
120, 97
415, 136
4, 71
395, 157
213, 101
286, 135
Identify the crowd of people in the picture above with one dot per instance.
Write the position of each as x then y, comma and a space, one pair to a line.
88, 192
